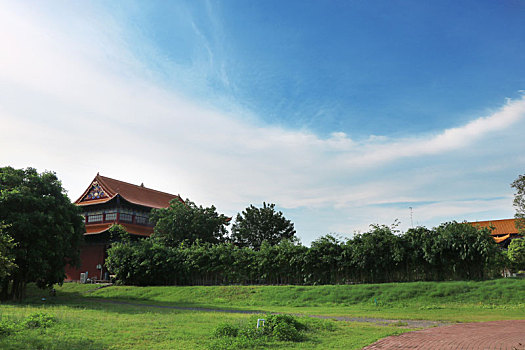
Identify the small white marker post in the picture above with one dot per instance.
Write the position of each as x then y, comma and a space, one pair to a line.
260, 322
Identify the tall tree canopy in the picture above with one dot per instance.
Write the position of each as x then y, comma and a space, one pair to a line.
519, 202
255, 225
6, 254
45, 226
188, 222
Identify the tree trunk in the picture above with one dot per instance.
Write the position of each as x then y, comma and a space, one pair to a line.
4, 294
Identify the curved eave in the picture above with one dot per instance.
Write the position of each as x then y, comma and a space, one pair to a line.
95, 229
96, 201
501, 239
137, 230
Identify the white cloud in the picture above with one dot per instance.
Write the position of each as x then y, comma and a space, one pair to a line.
67, 106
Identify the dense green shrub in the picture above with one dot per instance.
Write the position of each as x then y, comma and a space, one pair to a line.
33, 321
286, 332
225, 330
451, 251
250, 332
276, 327
273, 320
38, 320
8, 328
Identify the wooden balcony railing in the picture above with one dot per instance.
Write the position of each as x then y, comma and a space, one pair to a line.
117, 217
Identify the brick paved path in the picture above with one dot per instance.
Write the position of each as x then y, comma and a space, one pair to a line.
501, 335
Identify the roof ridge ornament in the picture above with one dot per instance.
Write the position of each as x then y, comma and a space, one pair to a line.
96, 192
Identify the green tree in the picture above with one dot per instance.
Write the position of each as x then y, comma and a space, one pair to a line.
146, 262
519, 202
45, 226
516, 253
462, 251
377, 254
418, 242
255, 225
6, 252
118, 233
324, 260
188, 222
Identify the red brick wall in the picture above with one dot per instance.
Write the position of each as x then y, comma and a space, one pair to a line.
90, 257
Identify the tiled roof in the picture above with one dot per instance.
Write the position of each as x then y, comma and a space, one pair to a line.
95, 229
132, 193
501, 227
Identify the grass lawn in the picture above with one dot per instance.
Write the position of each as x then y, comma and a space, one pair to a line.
83, 322
444, 301
125, 327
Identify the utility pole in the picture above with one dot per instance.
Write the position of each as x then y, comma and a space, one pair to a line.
411, 217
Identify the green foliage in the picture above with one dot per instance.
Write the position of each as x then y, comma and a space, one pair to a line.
451, 251
33, 321
324, 260
280, 327
284, 327
516, 253
187, 222
118, 233
283, 263
38, 320
7, 264
251, 332
8, 328
45, 226
519, 202
286, 332
146, 262
461, 251
255, 225
225, 330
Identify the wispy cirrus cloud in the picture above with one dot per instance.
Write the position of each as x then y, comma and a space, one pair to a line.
68, 106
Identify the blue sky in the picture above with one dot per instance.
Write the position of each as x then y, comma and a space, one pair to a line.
343, 113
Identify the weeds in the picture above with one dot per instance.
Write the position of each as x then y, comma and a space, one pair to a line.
33, 321
279, 327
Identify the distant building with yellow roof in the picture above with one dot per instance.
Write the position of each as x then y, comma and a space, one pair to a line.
503, 230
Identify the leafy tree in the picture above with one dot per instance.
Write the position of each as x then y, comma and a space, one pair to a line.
516, 253
255, 225
146, 262
323, 260
290, 259
519, 202
418, 242
188, 222
118, 233
462, 251
377, 254
45, 226
6, 255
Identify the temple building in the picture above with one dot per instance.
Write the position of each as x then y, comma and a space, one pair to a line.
107, 202
504, 230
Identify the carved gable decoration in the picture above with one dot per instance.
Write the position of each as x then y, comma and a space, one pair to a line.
95, 192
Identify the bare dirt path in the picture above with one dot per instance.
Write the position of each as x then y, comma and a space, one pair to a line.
501, 335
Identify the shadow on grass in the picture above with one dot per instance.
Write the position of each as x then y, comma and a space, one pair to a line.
22, 341
128, 305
